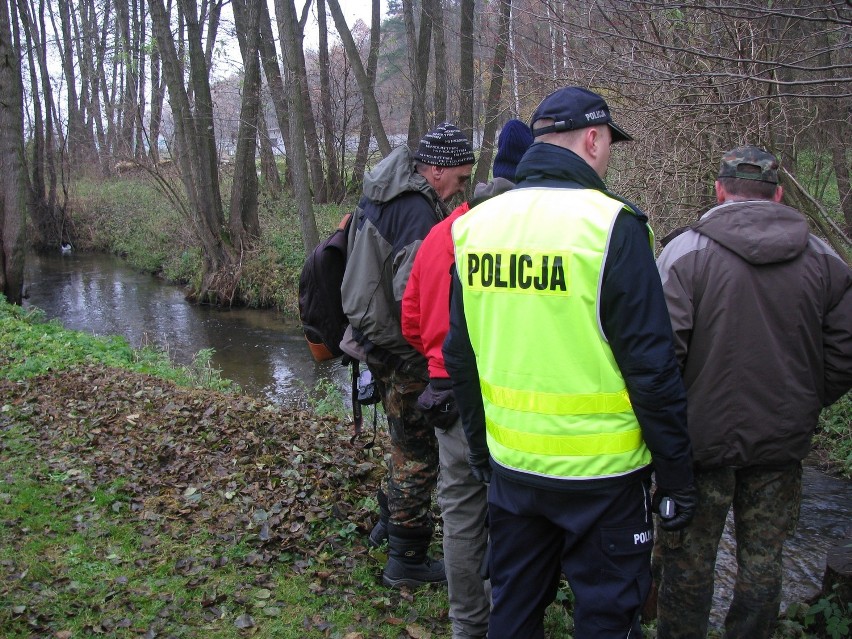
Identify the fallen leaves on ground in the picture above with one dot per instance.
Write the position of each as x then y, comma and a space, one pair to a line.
281, 480
229, 463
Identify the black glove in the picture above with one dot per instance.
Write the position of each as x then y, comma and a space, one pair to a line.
480, 466
680, 511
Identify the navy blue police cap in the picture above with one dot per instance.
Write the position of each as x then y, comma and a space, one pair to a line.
575, 108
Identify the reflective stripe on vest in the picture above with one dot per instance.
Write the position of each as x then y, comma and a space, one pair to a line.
554, 403
530, 262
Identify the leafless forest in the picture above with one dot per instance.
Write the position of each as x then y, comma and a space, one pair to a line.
178, 88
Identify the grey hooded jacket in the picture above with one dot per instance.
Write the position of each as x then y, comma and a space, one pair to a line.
762, 315
397, 210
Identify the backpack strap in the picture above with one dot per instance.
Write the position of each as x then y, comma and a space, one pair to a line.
357, 413
357, 416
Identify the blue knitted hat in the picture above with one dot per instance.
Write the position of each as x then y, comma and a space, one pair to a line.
515, 138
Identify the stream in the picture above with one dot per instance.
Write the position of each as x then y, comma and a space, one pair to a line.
258, 349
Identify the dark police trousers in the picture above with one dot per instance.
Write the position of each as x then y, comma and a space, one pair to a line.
601, 540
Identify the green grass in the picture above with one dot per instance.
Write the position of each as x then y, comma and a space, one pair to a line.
833, 438
130, 218
133, 218
33, 346
815, 171
83, 557
90, 567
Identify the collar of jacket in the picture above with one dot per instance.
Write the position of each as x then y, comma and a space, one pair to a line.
547, 165
544, 162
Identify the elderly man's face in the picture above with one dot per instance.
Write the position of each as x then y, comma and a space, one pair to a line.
449, 180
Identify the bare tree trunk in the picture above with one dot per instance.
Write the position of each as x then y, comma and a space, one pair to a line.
440, 62
243, 221
334, 181
196, 152
466, 69
365, 82
113, 95
37, 162
269, 59
94, 49
299, 82
268, 166
108, 93
127, 134
139, 124
13, 177
297, 108
516, 99
495, 93
85, 59
203, 116
418, 65
372, 62
76, 136
311, 136
158, 93
46, 215
212, 29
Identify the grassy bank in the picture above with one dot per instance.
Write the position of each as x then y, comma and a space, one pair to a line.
135, 503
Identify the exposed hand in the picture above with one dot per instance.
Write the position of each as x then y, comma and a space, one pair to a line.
685, 501
480, 466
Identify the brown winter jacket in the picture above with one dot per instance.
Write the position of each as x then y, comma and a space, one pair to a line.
762, 315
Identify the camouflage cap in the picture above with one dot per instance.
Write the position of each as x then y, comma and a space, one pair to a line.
749, 163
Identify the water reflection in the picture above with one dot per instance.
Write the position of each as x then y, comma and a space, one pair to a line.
825, 519
99, 294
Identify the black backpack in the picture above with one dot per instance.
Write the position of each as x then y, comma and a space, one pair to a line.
320, 305
323, 319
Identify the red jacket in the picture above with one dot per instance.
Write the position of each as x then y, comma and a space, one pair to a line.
426, 302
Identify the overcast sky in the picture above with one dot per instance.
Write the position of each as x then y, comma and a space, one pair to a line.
352, 11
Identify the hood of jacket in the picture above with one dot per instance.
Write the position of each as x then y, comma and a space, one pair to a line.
395, 175
485, 191
759, 231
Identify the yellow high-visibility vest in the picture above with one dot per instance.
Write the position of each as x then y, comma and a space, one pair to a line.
531, 263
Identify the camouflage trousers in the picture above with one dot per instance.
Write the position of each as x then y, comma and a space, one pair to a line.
413, 466
766, 509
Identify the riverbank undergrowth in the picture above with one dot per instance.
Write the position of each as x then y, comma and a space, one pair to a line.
131, 217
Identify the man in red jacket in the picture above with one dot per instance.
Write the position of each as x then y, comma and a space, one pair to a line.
425, 321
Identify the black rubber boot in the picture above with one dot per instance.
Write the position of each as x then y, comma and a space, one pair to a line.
379, 534
408, 562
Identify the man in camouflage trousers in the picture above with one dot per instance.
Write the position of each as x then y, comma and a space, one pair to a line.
762, 315
404, 196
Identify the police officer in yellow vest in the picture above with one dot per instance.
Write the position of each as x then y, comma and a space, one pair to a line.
561, 355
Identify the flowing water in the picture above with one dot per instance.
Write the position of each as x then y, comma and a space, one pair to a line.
261, 351
824, 520
267, 355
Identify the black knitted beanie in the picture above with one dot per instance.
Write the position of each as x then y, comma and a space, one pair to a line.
445, 146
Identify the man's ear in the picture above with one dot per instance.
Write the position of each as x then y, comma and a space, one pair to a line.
721, 194
591, 140
779, 194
